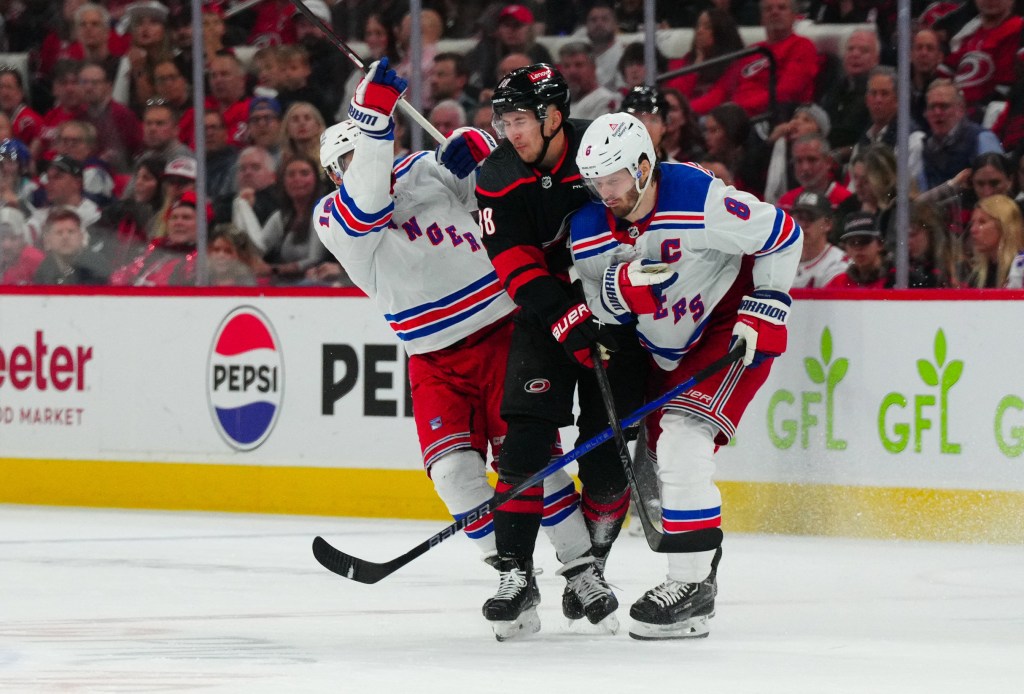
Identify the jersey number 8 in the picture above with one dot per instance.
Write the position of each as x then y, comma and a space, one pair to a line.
487, 220
737, 208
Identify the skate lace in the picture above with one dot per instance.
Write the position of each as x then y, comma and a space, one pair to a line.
589, 586
510, 583
671, 592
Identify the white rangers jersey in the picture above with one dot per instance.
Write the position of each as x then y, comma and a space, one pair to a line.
416, 250
821, 269
702, 229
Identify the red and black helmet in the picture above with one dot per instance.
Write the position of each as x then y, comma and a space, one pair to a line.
532, 88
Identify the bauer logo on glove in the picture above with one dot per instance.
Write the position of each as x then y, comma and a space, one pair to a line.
375, 99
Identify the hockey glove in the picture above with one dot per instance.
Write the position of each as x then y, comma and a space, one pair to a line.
761, 323
464, 149
635, 287
375, 100
579, 332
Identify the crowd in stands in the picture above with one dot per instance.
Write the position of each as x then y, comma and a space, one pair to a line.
98, 166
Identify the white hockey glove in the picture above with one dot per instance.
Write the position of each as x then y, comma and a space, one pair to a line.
636, 286
375, 100
464, 149
761, 323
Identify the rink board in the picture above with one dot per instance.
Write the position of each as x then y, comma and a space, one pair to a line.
885, 418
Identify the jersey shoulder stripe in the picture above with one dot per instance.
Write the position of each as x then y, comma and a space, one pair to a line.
406, 163
785, 232
355, 221
686, 186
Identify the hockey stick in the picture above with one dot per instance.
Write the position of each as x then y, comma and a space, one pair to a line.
406, 107
656, 539
365, 571
240, 7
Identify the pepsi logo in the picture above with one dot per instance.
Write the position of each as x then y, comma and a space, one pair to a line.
537, 385
245, 379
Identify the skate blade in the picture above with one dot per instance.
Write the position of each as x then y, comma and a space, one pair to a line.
527, 624
694, 628
607, 626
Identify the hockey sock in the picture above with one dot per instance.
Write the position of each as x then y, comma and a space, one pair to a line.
461, 483
563, 521
604, 516
517, 521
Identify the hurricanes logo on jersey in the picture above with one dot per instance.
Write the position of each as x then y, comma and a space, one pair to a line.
537, 385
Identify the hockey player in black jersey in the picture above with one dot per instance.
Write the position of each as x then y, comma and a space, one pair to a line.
525, 191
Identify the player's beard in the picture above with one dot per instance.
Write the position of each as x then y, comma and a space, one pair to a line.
626, 204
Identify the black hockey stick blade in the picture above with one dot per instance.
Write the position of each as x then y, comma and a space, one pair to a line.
364, 571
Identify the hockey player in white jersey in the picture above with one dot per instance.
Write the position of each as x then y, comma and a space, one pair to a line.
404, 232
697, 265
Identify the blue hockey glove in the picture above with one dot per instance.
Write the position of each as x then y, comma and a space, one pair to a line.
375, 100
464, 149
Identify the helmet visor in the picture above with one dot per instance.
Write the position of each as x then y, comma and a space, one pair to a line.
613, 189
512, 122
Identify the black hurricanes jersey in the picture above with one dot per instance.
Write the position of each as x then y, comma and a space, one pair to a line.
523, 216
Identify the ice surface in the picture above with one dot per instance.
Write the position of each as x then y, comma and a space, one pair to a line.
128, 601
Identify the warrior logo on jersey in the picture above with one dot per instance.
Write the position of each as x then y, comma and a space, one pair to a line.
245, 379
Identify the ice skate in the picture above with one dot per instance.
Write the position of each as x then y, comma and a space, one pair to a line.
676, 610
587, 593
513, 609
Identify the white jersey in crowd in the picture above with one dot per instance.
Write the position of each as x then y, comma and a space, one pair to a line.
1015, 280
821, 269
415, 251
702, 229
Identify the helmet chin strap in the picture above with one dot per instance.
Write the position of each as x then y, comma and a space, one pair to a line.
640, 191
547, 141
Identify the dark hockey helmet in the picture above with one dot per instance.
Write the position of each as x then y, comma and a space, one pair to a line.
532, 88
15, 150
644, 99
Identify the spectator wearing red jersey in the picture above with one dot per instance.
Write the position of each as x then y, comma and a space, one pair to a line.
228, 94
169, 261
118, 130
94, 39
26, 124
796, 63
273, 26
983, 53
67, 104
812, 167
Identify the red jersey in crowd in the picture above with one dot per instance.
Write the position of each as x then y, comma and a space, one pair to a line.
985, 60
26, 124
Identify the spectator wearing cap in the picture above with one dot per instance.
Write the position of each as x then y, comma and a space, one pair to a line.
882, 101
118, 130
26, 124
264, 125
820, 261
650, 107
589, 98
601, 30
169, 261
147, 26
69, 260
511, 32
161, 134
812, 167
64, 188
809, 119
221, 157
179, 177
329, 66
19, 258
868, 267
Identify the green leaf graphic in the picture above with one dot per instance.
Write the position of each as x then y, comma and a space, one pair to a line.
837, 371
952, 374
927, 371
814, 370
940, 348
826, 345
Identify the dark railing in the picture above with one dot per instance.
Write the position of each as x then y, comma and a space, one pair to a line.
729, 58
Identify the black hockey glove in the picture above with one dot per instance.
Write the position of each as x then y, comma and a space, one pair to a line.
579, 332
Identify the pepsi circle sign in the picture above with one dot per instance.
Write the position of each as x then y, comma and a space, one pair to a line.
245, 378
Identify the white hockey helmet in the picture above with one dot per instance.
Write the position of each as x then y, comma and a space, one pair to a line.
613, 142
335, 142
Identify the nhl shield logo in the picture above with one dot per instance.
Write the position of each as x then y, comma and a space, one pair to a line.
545, 182
633, 231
